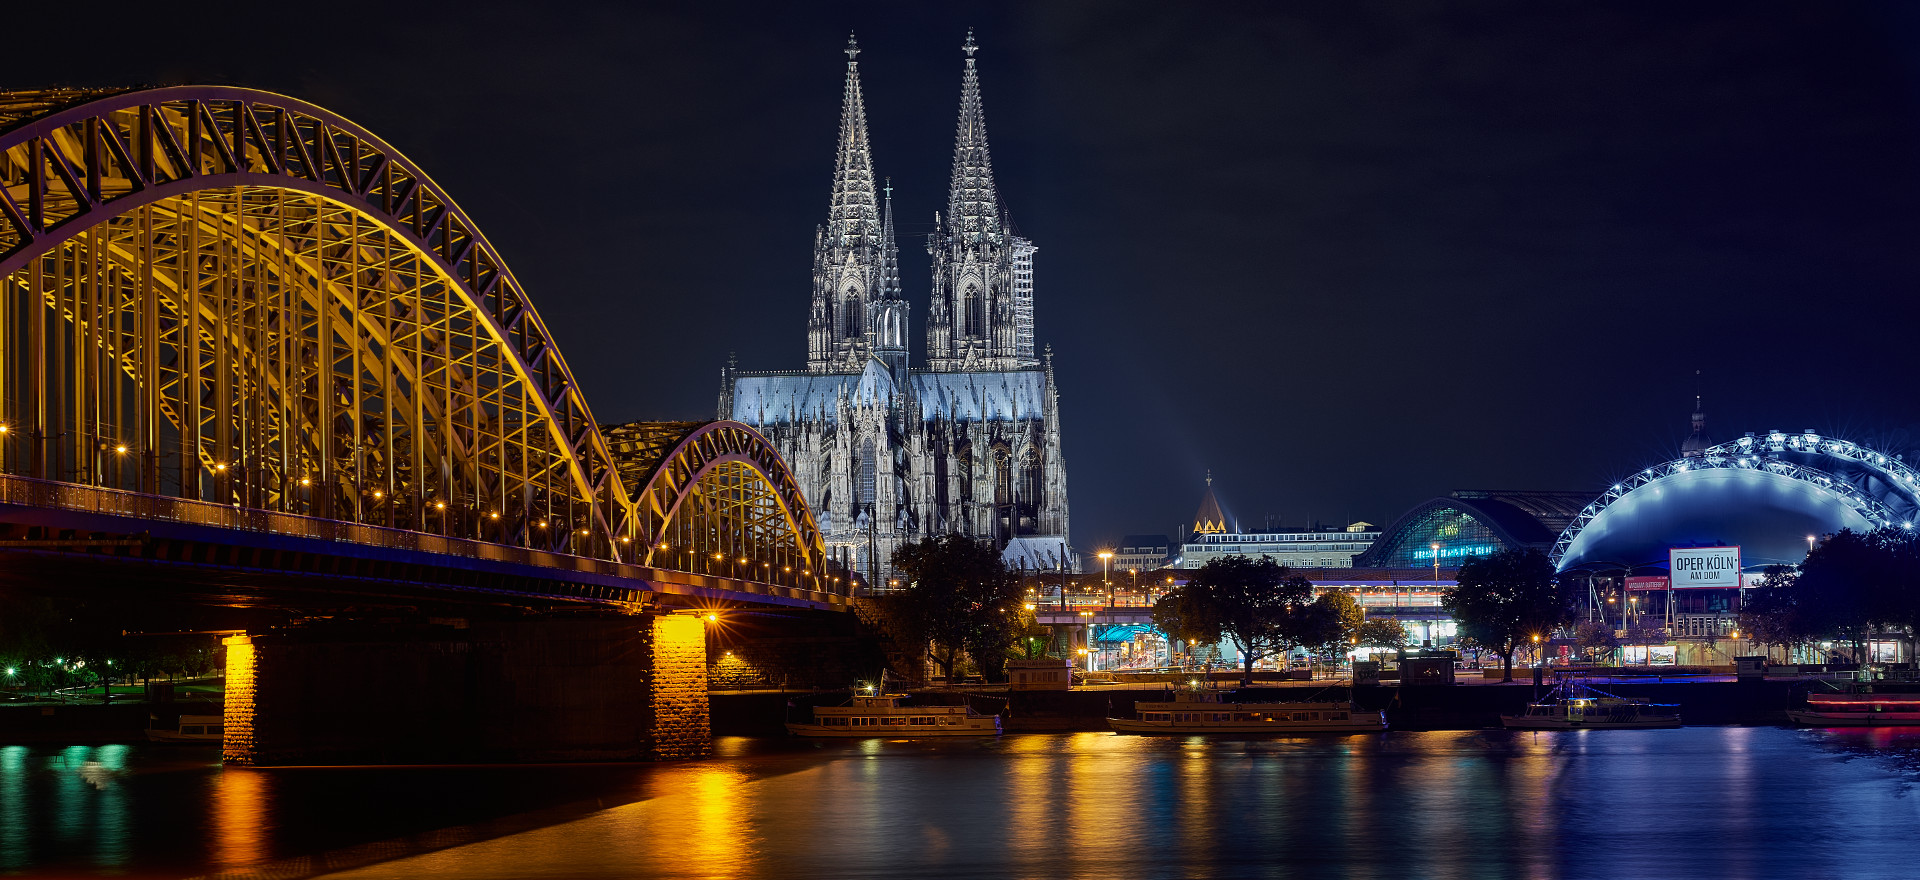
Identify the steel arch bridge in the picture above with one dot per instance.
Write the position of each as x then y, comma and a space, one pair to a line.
1879, 489
227, 296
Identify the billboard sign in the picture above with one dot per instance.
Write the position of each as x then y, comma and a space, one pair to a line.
1704, 567
1647, 583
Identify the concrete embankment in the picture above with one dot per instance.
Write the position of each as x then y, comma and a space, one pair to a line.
124, 721
1457, 707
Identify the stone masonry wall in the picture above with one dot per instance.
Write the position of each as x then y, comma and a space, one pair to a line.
676, 680
525, 690
237, 746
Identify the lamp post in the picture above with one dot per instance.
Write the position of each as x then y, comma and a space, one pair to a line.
1436, 565
1106, 572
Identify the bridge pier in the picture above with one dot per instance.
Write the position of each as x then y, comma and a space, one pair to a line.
459, 691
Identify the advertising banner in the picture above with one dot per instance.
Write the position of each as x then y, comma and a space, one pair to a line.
1647, 583
1704, 567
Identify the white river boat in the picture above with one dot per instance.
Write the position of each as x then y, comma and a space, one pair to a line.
882, 715
1205, 712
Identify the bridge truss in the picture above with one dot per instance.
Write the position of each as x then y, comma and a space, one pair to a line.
226, 295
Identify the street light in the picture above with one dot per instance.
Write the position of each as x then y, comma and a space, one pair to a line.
1106, 569
1436, 564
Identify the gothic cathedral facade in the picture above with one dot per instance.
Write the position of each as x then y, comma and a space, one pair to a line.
886, 452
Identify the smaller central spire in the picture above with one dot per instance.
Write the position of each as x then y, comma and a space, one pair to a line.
853, 47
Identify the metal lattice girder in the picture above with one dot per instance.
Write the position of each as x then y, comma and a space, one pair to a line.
1749, 454
716, 496
290, 310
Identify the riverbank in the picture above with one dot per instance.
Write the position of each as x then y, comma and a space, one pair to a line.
763, 713
1457, 707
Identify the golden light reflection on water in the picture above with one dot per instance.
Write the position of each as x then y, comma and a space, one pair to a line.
241, 811
707, 821
1033, 787
1102, 793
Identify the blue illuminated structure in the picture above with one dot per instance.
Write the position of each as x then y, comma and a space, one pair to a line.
1763, 493
1470, 524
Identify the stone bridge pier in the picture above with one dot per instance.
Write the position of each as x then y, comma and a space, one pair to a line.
453, 690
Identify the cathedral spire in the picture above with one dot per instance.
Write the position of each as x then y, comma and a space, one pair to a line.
889, 250
973, 206
853, 217
847, 296
890, 310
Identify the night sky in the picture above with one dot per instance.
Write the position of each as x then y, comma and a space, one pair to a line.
1346, 256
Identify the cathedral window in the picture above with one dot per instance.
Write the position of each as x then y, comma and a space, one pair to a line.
855, 319
975, 312
1030, 480
1002, 476
868, 473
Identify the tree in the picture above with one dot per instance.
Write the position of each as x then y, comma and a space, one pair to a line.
1850, 586
1183, 618
1382, 632
1259, 606
959, 597
1505, 599
1347, 614
1595, 637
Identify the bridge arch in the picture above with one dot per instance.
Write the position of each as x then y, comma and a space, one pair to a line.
716, 496
1764, 492
226, 294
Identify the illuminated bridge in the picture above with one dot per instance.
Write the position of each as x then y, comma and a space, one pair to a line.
248, 348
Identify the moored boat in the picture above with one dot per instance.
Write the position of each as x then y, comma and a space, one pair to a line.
1205, 712
1575, 705
883, 715
1877, 697
1859, 710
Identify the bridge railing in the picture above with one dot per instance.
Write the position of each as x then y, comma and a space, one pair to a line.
52, 494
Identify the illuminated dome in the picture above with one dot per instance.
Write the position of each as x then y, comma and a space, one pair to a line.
1765, 494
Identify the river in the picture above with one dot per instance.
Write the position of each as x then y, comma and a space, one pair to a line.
1728, 802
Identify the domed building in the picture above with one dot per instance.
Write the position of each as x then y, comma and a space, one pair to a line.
1755, 502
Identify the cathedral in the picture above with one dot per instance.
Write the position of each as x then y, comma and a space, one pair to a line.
887, 452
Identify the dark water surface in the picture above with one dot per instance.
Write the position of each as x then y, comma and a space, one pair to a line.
1729, 802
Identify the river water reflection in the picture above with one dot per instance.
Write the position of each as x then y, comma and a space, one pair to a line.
1713, 802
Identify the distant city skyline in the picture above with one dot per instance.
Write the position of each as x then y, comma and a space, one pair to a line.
1346, 257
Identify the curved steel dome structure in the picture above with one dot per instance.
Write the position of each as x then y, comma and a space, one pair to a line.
1764, 493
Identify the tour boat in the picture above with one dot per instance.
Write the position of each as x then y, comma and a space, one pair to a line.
1859, 709
1574, 705
1203, 711
882, 715
191, 729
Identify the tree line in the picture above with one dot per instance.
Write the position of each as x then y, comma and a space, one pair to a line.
1852, 588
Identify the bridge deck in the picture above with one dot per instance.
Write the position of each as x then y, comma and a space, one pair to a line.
158, 530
